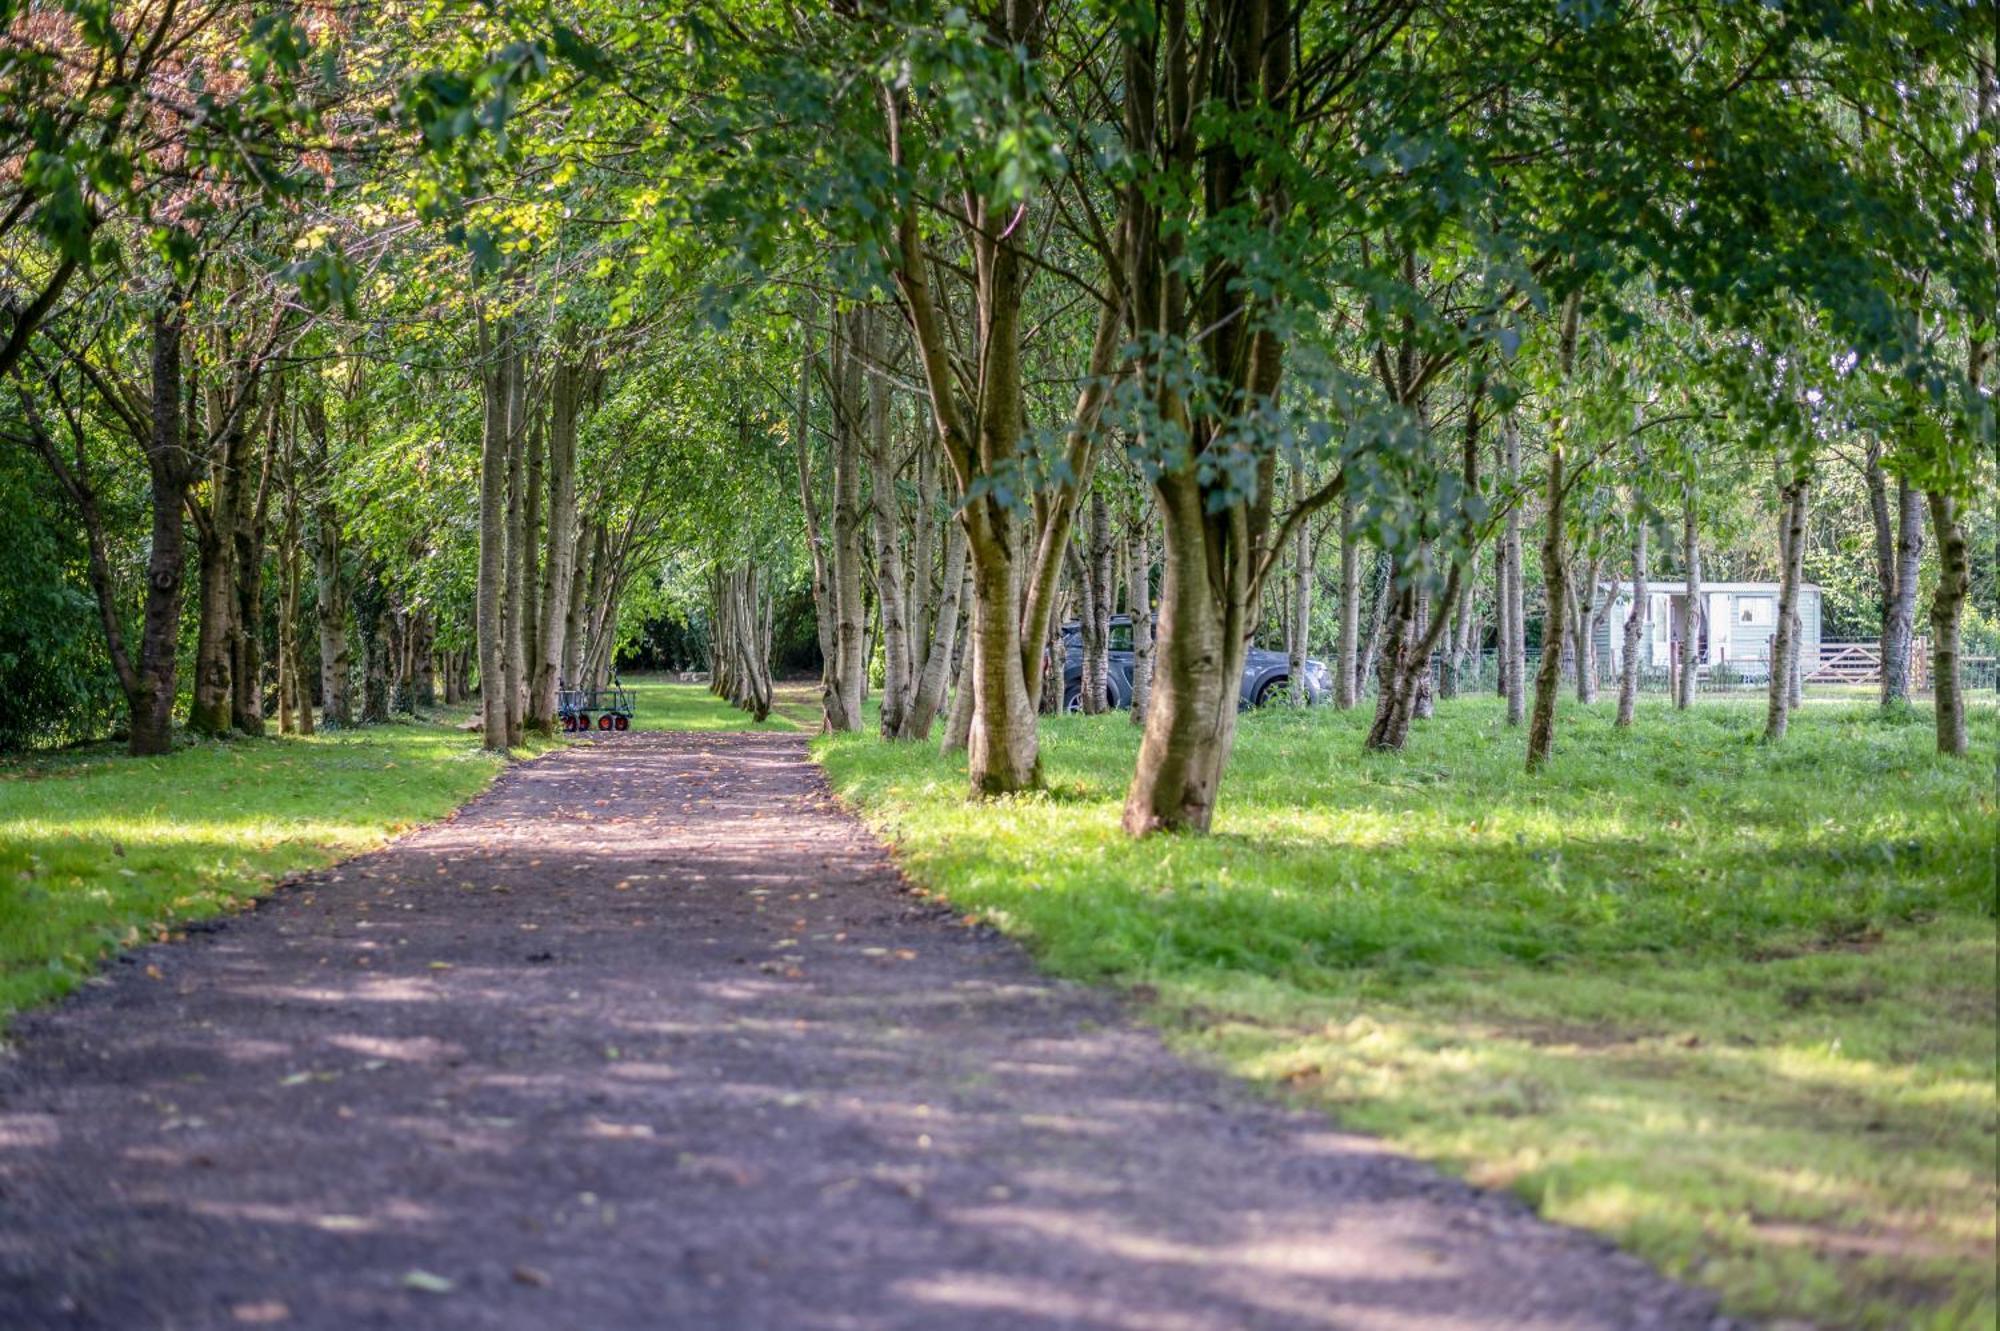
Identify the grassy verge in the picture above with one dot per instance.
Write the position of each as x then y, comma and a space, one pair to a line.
1730, 1004
99, 851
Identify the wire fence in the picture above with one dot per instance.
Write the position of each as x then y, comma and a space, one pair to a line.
1481, 673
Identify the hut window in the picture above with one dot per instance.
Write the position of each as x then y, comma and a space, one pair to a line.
1755, 610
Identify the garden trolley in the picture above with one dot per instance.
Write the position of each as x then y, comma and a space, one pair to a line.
611, 706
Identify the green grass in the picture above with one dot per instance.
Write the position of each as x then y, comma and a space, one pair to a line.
1728, 1003
99, 851
666, 705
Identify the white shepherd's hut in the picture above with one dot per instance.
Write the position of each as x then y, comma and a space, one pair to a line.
1734, 626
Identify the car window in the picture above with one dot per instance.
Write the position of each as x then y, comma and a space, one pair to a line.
1121, 637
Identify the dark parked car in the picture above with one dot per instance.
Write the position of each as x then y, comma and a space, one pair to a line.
1266, 675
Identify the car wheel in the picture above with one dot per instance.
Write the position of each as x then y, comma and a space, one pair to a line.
1073, 702
1272, 690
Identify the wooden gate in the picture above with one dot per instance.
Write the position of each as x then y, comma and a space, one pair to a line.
1848, 663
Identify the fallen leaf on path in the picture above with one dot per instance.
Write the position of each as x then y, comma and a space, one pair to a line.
262, 1313
429, 1282
598, 1127
532, 1276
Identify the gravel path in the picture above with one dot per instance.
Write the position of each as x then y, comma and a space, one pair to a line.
653, 1036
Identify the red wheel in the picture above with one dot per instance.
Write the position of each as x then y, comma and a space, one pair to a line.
583, 721
569, 724
623, 723
604, 722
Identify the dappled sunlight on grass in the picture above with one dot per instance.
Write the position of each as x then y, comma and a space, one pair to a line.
99, 851
1730, 1003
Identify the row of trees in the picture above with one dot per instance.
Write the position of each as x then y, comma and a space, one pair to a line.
480, 339
1289, 257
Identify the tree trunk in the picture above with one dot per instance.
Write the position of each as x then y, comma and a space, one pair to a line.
247, 667
1097, 588
253, 526
371, 625
1365, 667
514, 568
1785, 641
1454, 680
566, 386
958, 726
885, 513
1637, 621
825, 613
1898, 555
1298, 646
1415, 626
250, 525
1191, 720
1424, 703
331, 586
1555, 568
1346, 690
583, 586
587, 594
1555, 572
497, 364
1002, 751
1691, 603
210, 713
929, 694
923, 560
1139, 599
150, 697
291, 696
1590, 616
847, 670
1471, 633
1954, 584
1514, 652
721, 636
1410, 636
425, 648
531, 565
741, 643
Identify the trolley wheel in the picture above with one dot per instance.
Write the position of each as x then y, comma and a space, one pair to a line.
604, 722
569, 724
582, 721
623, 723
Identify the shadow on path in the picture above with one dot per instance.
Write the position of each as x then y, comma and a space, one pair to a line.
653, 1036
